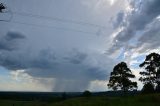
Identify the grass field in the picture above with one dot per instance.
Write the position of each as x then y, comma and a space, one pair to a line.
139, 100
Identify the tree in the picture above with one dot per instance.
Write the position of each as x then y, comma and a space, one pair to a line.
87, 93
148, 88
64, 95
158, 87
120, 78
2, 7
151, 75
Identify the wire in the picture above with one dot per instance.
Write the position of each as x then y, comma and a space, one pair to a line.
7, 20
58, 19
59, 28
50, 18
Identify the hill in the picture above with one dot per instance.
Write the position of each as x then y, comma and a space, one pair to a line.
138, 100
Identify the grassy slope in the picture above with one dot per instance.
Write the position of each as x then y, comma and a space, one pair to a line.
141, 100
20, 103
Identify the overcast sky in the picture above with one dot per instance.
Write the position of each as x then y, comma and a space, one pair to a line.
73, 45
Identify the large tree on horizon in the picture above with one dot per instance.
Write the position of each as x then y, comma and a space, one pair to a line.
2, 7
120, 78
151, 74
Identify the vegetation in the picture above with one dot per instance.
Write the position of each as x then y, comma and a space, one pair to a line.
145, 100
86, 94
151, 76
139, 100
120, 78
64, 95
148, 88
2, 7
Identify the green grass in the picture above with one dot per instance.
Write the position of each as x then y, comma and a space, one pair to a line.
21, 103
139, 100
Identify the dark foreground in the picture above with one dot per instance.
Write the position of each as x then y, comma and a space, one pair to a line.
136, 100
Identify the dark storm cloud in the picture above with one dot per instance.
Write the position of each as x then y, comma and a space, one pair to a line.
73, 70
71, 85
150, 39
9, 41
118, 21
96, 72
76, 65
67, 68
76, 57
44, 60
12, 61
67, 72
15, 60
143, 14
13, 36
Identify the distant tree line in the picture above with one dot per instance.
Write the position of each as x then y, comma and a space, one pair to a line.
120, 77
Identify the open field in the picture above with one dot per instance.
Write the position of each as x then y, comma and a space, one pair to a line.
139, 100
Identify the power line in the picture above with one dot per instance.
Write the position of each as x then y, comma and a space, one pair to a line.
52, 19
58, 19
59, 28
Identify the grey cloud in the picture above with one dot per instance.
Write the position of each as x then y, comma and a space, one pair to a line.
77, 68
69, 69
9, 41
12, 61
143, 14
70, 85
14, 35
118, 21
76, 57
15, 60
151, 37
46, 64
45, 59
98, 73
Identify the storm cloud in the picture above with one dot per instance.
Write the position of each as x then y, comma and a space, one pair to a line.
9, 41
43, 49
76, 67
139, 15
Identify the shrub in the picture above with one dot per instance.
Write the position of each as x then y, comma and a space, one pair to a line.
148, 88
87, 93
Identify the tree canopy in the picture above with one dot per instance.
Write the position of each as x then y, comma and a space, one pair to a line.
2, 7
87, 93
120, 78
151, 74
152, 69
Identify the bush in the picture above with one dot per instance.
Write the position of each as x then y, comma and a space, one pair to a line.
148, 88
158, 88
64, 96
86, 93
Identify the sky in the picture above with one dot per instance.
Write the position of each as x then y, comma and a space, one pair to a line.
73, 45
